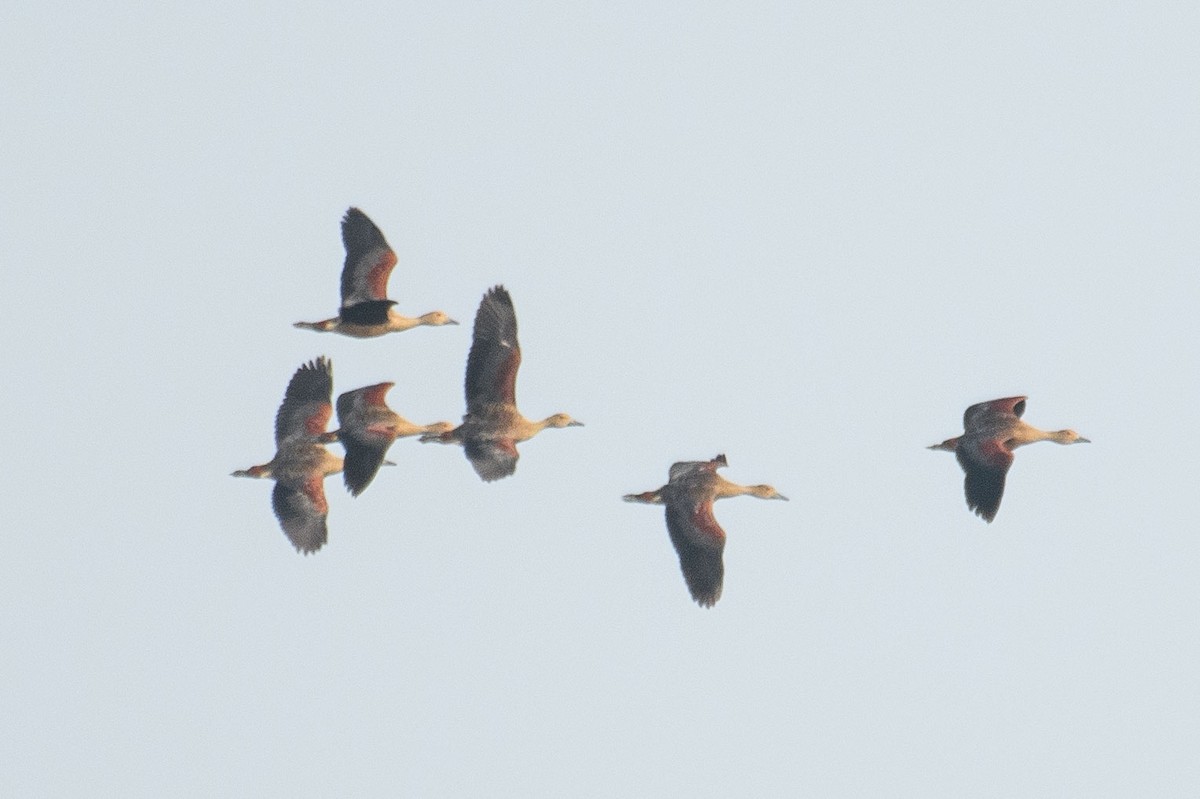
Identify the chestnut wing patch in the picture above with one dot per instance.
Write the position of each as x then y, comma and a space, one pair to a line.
986, 463
492, 458
700, 543
984, 414
306, 406
369, 260
356, 408
301, 514
495, 353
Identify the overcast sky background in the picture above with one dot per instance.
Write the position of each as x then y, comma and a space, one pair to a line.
806, 235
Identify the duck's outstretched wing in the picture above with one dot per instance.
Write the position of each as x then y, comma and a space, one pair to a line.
306, 406
700, 544
986, 462
369, 260
495, 353
301, 511
493, 458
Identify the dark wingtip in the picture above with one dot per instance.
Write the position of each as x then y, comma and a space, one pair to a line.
498, 292
987, 514
319, 364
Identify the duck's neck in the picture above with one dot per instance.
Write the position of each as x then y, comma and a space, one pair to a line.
1028, 434
402, 428
430, 318
726, 489
398, 321
441, 437
528, 428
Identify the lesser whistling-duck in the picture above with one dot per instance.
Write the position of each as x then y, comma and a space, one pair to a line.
492, 425
301, 460
992, 430
689, 494
366, 311
367, 429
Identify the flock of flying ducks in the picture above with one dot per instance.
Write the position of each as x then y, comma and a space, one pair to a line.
493, 426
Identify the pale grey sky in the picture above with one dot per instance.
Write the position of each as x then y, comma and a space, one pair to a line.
805, 235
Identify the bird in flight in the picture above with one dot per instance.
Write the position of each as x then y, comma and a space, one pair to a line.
366, 311
692, 488
367, 428
301, 460
991, 431
492, 426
